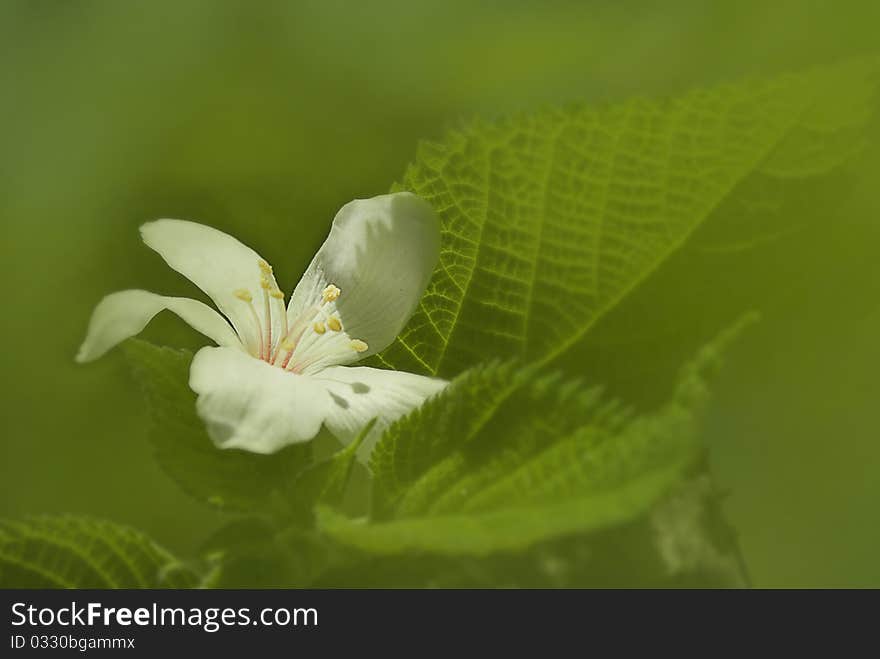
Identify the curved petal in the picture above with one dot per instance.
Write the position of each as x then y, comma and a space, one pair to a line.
381, 253
221, 266
126, 313
251, 405
361, 394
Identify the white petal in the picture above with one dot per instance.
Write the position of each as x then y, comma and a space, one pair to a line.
124, 314
218, 264
381, 253
251, 405
361, 394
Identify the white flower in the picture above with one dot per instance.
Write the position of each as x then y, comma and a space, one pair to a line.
279, 373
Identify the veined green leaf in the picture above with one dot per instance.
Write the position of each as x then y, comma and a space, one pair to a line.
498, 414
227, 479
549, 460
507, 528
549, 220
79, 552
683, 542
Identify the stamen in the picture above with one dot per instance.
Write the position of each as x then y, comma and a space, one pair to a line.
334, 349
287, 345
316, 337
277, 294
267, 314
245, 296
286, 360
292, 337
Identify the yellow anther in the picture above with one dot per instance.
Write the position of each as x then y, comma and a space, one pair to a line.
265, 267
288, 345
358, 345
243, 294
277, 293
330, 293
265, 284
334, 324
319, 328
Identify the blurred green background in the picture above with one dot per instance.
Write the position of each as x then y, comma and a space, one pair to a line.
263, 118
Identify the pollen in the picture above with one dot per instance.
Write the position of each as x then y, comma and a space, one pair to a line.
265, 284
358, 345
334, 324
243, 294
277, 293
330, 294
319, 328
264, 267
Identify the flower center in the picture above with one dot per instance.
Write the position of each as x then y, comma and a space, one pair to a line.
311, 341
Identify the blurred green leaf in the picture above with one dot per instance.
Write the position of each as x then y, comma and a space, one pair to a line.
683, 542
550, 220
325, 481
227, 479
550, 459
252, 552
80, 552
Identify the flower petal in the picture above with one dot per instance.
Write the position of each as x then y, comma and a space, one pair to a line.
381, 253
124, 314
218, 264
361, 394
251, 405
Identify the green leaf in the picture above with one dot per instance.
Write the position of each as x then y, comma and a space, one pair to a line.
550, 220
512, 527
684, 542
325, 481
227, 479
498, 416
252, 552
78, 552
548, 458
